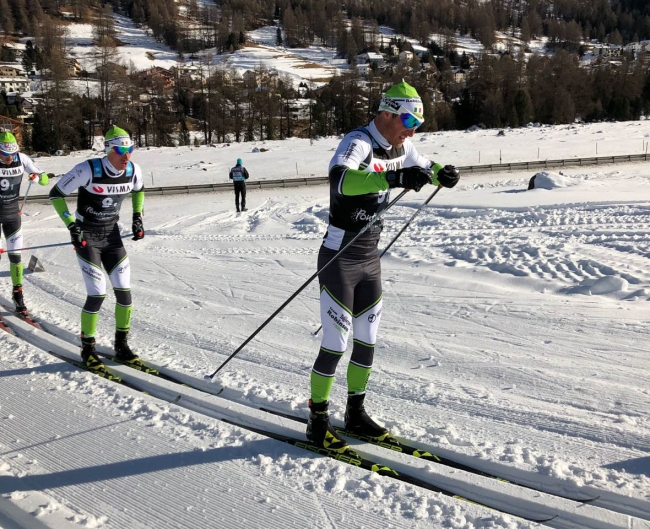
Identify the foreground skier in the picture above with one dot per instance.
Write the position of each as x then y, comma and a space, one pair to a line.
367, 163
103, 184
12, 166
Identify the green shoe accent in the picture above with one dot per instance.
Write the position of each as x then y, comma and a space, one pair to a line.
93, 363
334, 444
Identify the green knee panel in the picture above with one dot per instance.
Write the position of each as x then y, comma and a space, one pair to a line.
16, 271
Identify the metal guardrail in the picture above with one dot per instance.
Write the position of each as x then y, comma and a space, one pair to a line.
319, 180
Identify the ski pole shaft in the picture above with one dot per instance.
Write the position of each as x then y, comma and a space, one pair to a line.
29, 186
417, 212
2, 250
304, 285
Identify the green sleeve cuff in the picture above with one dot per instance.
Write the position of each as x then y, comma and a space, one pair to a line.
62, 209
137, 199
357, 182
435, 167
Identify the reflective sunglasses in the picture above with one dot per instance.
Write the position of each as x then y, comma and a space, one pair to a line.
5, 154
122, 150
409, 120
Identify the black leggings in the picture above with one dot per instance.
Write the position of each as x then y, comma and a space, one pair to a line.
240, 189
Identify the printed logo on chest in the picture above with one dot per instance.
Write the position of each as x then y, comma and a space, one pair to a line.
111, 189
11, 171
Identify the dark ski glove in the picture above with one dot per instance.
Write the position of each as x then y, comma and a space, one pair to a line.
447, 176
76, 235
409, 178
137, 227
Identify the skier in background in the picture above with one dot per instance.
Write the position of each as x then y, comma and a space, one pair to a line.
239, 175
12, 166
368, 162
103, 183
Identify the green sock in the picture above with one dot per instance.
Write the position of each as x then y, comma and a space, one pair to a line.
123, 317
320, 387
16, 271
89, 323
357, 378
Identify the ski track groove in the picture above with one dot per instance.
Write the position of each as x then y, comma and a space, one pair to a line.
88, 496
150, 509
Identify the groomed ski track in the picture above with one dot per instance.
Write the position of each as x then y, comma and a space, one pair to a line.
522, 502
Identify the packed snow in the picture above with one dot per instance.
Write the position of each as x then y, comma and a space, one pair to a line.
514, 336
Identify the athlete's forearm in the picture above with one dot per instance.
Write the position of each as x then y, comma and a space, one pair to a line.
137, 199
61, 208
354, 182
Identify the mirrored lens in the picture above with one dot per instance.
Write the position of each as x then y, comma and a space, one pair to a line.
123, 150
6, 154
410, 121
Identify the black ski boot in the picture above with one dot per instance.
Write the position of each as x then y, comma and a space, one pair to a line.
17, 296
359, 423
320, 431
123, 352
89, 355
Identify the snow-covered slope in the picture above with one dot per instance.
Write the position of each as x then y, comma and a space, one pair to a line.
514, 335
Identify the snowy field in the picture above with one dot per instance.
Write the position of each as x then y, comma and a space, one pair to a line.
514, 337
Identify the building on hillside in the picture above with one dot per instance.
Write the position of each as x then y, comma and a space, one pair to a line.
419, 50
459, 75
18, 49
261, 77
27, 106
405, 56
187, 72
437, 96
375, 60
13, 126
74, 68
157, 76
300, 108
607, 50
14, 84
8, 70
363, 69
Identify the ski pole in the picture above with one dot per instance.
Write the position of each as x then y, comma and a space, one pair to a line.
29, 186
417, 212
2, 250
20, 211
302, 287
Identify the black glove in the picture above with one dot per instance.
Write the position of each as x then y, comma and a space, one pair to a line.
137, 227
447, 176
408, 177
76, 235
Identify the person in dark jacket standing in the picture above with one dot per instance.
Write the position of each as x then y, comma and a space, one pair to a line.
239, 175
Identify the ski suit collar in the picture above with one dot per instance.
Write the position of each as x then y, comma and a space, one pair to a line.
383, 142
110, 170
